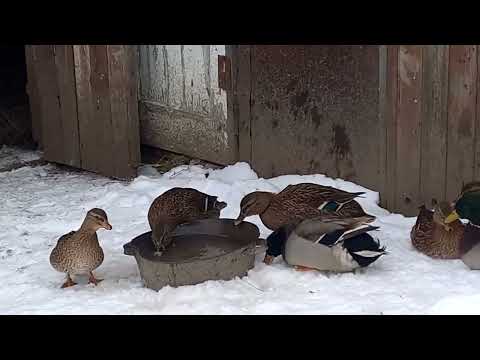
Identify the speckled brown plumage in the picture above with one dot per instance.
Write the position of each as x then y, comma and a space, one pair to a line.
298, 202
315, 195
177, 206
79, 252
432, 237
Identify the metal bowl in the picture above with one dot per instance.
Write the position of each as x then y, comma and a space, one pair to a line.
211, 249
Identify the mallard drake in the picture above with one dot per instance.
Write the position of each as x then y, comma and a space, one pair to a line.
299, 202
78, 252
326, 244
467, 206
431, 236
177, 206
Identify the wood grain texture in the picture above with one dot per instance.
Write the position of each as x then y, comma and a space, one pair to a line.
183, 81
391, 107
462, 95
434, 124
67, 98
408, 129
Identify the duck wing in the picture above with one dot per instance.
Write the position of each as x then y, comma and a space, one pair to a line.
66, 237
316, 195
423, 228
339, 236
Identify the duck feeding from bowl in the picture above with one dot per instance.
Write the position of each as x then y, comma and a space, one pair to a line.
209, 249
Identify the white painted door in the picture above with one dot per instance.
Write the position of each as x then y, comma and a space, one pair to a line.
182, 108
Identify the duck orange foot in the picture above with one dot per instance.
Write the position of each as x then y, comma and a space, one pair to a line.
93, 280
303, 268
68, 283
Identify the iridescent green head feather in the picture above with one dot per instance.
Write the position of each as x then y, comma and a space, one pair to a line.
467, 207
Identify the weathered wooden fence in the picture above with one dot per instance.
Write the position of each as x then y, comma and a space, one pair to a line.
401, 120
432, 119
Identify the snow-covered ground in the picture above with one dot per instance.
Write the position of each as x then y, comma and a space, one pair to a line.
39, 204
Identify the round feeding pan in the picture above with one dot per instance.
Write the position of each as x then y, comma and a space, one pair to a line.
211, 249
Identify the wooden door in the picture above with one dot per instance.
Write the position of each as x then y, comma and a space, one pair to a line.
184, 101
84, 106
309, 109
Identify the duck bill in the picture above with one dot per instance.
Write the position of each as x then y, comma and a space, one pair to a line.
108, 226
268, 259
452, 217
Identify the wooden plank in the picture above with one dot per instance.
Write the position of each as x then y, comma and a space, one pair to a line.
86, 121
382, 118
461, 117
391, 106
160, 124
231, 52
408, 129
120, 84
118, 107
477, 122
434, 124
103, 130
131, 82
33, 95
68, 104
241, 67
51, 121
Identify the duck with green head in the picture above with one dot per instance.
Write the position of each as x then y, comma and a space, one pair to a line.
467, 206
333, 244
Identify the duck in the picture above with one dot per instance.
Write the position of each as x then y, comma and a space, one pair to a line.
298, 202
336, 244
78, 252
433, 237
467, 206
179, 206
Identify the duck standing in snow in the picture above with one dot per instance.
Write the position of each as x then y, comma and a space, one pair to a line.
78, 252
177, 206
326, 244
298, 202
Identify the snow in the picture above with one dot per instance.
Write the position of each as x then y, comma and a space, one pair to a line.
39, 204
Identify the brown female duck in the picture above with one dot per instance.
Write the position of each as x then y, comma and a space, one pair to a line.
177, 206
78, 252
431, 236
298, 202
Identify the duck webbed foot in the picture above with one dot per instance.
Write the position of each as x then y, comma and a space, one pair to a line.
93, 280
69, 282
303, 268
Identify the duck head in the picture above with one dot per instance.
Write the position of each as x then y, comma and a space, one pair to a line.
254, 203
96, 219
162, 231
276, 243
467, 206
441, 211
219, 205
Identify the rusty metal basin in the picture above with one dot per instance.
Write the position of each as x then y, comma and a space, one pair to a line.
211, 249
